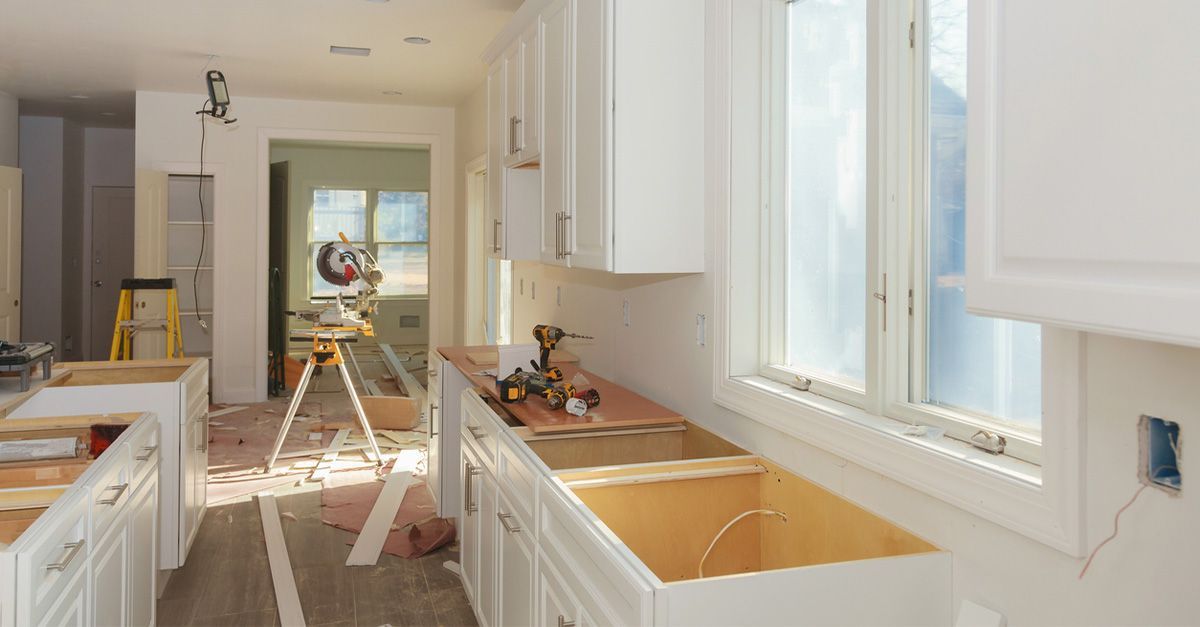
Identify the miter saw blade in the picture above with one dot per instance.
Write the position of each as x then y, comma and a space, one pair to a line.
336, 262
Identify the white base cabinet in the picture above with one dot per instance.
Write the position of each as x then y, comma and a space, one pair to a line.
535, 552
176, 391
89, 558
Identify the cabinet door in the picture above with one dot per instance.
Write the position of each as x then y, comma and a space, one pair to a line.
194, 461
589, 218
488, 525
468, 541
110, 576
497, 145
71, 607
514, 569
143, 556
555, 606
1081, 166
512, 104
530, 94
555, 28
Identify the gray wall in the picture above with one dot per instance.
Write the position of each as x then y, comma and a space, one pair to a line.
9, 130
41, 162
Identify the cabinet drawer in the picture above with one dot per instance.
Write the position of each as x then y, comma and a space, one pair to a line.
143, 446
195, 387
480, 428
55, 553
607, 588
197, 409
110, 488
518, 477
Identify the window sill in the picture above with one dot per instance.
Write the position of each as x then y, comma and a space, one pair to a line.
1038, 502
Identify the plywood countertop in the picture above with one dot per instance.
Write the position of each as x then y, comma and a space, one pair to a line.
619, 407
92, 373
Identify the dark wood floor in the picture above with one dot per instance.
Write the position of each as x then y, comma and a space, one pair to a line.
227, 580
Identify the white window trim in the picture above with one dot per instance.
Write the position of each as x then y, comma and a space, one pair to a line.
1043, 502
371, 242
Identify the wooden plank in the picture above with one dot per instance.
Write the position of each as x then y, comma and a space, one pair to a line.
327, 460
226, 410
28, 498
379, 522
411, 387
287, 599
66, 422
372, 387
619, 407
668, 475
317, 451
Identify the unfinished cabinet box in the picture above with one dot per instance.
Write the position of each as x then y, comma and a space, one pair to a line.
174, 390
803, 555
78, 533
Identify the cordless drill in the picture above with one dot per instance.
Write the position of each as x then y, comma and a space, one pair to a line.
548, 337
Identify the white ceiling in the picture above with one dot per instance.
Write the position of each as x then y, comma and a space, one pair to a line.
50, 50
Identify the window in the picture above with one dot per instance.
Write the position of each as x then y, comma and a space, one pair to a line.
392, 225
841, 270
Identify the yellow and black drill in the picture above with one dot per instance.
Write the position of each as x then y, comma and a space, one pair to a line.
548, 337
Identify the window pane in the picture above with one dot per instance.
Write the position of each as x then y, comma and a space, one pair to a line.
985, 366
337, 210
402, 217
406, 267
321, 287
826, 199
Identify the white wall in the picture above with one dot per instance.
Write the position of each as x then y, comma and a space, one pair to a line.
470, 123
107, 162
41, 163
9, 130
168, 137
313, 166
72, 242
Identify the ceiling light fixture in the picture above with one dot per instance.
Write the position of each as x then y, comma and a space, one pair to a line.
350, 51
79, 97
393, 92
420, 41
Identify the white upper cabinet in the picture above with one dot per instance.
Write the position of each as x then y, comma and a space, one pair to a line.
522, 145
511, 231
621, 129
1082, 160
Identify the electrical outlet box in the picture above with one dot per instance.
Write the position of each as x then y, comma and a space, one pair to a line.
1159, 462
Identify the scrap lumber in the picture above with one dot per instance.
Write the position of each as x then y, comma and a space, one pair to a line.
287, 598
369, 543
327, 460
226, 410
372, 387
317, 451
411, 387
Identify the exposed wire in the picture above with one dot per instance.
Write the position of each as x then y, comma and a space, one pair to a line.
1116, 529
731, 523
203, 226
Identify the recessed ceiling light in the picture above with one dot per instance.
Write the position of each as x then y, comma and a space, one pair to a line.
420, 41
79, 96
393, 92
350, 50
107, 114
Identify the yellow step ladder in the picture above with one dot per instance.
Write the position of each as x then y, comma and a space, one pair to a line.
126, 326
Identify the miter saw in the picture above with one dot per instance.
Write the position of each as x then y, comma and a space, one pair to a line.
342, 264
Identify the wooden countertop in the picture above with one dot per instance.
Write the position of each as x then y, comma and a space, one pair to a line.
619, 407
92, 372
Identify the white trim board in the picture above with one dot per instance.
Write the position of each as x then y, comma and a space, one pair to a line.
286, 597
369, 543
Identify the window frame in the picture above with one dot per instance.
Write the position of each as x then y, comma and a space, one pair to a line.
1040, 500
372, 243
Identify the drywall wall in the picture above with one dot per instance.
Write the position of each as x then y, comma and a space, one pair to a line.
107, 162
9, 130
404, 169
72, 242
41, 163
470, 123
168, 138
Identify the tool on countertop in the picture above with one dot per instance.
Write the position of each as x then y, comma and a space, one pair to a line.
516, 387
341, 264
23, 357
548, 337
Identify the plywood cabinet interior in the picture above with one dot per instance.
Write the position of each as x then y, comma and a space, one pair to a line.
1081, 166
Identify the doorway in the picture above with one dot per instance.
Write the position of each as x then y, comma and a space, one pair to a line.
112, 261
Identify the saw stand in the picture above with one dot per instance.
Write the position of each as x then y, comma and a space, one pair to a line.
326, 352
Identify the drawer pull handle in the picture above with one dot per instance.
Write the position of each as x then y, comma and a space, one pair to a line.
149, 452
563, 622
120, 489
504, 518
73, 549
475, 431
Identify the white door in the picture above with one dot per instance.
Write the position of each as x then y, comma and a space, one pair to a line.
112, 260
143, 557
555, 25
486, 594
589, 226
110, 576
514, 570
150, 255
10, 254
